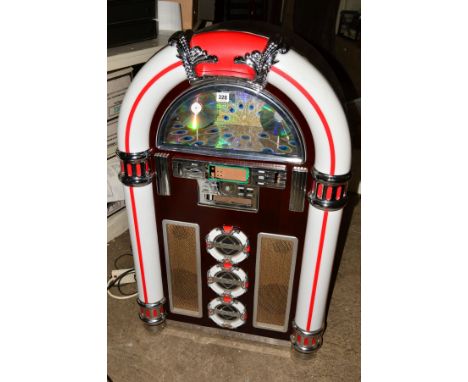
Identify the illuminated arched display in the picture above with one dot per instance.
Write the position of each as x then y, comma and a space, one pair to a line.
232, 120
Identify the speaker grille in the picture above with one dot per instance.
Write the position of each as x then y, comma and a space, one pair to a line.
276, 260
182, 251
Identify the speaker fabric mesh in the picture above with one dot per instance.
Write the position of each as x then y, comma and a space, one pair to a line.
276, 259
182, 251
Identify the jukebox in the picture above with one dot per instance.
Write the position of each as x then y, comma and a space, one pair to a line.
235, 158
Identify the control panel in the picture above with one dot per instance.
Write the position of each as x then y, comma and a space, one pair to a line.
230, 186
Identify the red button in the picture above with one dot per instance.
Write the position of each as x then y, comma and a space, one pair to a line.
227, 228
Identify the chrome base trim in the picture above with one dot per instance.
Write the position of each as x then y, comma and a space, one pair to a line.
306, 342
155, 329
297, 355
207, 330
329, 192
153, 313
135, 168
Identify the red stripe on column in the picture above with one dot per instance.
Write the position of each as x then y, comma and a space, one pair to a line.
317, 269
127, 149
137, 238
331, 145
140, 96
317, 109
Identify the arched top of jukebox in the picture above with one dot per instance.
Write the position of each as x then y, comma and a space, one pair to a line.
229, 118
253, 62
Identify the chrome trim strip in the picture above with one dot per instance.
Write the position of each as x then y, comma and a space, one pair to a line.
330, 178
260, 325
298, 189
198, 265
134, 157
162, 174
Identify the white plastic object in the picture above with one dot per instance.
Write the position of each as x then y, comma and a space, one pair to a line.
127, 279
169, 16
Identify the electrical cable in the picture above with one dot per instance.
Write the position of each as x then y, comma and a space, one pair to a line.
119, 257
119, 286
118, 297
119, 277
112, 282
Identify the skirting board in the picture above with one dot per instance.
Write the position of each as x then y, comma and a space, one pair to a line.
117, 224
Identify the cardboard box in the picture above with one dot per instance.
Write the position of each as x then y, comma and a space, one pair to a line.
114, 207
111, 137
117, 84
115, 190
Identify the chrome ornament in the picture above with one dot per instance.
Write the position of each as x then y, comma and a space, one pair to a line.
262, 62
190, 56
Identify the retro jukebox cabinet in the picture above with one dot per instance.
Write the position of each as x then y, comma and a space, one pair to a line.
235, 157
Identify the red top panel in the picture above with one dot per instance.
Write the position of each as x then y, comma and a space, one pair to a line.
227, 45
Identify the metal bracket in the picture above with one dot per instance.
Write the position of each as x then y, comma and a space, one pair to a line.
162, 174
190, 56
262, 62
298, 189
135, 168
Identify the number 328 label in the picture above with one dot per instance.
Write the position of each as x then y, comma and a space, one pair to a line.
222, 97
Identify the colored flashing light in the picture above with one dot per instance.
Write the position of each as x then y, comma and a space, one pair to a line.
194, 124
196, 108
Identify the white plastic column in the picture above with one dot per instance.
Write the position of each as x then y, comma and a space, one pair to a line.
310, 91
160, 74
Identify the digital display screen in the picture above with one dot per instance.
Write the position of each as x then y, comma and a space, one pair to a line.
229, 118
228, 173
